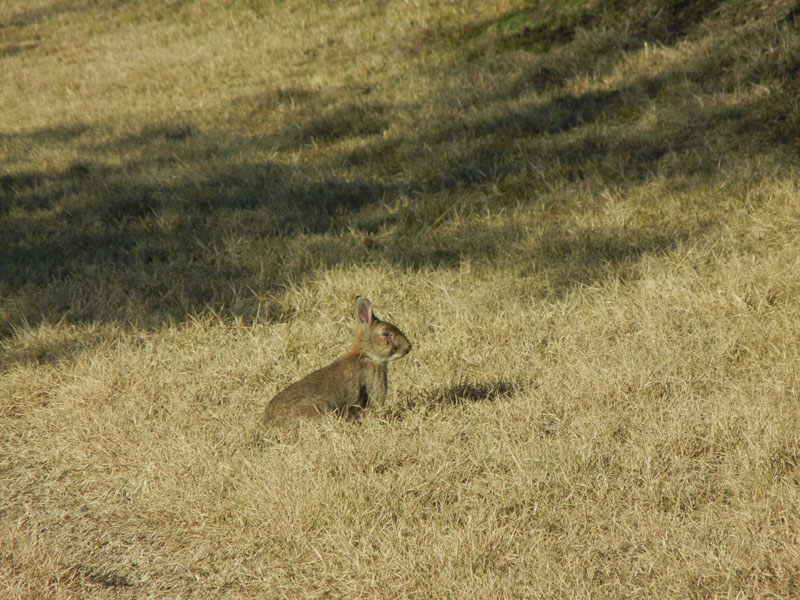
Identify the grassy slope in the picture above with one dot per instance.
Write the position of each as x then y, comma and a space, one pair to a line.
585, 217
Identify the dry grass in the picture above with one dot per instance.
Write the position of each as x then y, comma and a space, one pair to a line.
585, 217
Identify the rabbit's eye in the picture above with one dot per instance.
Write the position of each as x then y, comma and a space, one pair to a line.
387, 335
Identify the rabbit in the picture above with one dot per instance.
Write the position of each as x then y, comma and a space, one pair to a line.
347, 385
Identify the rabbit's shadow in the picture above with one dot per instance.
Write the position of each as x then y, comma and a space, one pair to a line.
425, 401
458, 394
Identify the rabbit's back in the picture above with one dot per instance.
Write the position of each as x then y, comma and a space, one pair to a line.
334, 388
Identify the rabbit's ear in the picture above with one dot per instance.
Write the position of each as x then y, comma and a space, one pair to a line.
364, 310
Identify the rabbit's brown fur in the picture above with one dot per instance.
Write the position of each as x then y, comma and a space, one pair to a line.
353, 380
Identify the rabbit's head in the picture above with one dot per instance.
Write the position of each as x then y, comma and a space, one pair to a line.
380, 341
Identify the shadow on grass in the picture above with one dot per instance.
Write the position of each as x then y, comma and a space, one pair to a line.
100, 577
48, 349
459, 394
185, 224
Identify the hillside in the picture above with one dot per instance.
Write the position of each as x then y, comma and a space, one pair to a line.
585, 216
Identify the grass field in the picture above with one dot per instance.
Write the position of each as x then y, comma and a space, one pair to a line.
585, 216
